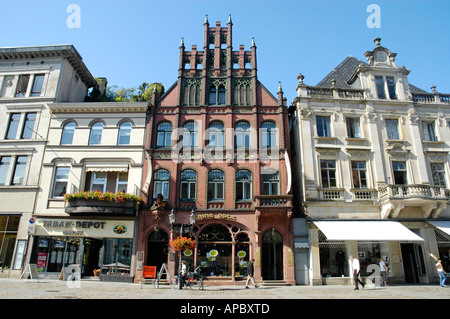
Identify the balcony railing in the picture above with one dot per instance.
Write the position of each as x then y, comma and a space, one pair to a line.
431, 98
316, 91
412, 191
273, 201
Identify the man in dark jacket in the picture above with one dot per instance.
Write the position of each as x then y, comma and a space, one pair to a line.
250, 273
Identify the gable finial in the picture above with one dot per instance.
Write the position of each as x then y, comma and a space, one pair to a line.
377, 41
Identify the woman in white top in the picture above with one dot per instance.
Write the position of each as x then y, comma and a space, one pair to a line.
442, 273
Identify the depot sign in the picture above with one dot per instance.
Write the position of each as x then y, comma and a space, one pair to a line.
84, 228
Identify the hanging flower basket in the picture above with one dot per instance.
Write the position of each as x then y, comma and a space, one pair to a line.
182, 244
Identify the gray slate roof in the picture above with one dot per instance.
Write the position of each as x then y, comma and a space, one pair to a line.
344, 71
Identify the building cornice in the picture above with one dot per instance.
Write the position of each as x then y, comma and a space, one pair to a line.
102, 107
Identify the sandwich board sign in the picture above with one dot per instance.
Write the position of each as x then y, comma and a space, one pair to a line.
31, 270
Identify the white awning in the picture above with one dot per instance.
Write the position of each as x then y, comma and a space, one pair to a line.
442, 225
106, 168
366, 231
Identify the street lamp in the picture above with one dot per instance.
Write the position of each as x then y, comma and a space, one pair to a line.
181, 228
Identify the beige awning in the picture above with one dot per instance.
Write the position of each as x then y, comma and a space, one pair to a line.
366, 231
106, 168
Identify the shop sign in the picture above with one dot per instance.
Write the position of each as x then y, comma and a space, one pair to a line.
217, 216
84, 228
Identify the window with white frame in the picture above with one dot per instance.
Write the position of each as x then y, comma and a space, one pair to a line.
216, 134
353, 127
392, 129
323, 126
28, 128
243, 185
124, 133
215, 185
429, 133
61, 182
164, 134
161, 183
5, 163
188, 184
68, 132
122, 182
359, 174
96, 134
19, 170
270, 183
190, 134
328, 173
110, 181
98, 181
242, 135
269, 134
400, 173
438, 174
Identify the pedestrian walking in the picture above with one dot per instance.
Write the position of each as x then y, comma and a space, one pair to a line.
250, 274
442, 274
356, 269
383, 272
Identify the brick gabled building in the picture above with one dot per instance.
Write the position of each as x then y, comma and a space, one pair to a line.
217, 147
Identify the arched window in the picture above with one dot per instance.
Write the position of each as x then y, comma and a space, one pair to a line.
243, 185
164, 134
190, 134
96, 134
124, 133
269, 134
188, 184
215, 185
216, 134
242, 135
67, 133
161, 183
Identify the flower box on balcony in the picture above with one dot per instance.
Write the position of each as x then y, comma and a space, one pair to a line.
97, 203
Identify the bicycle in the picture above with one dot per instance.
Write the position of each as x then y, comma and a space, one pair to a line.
192, 279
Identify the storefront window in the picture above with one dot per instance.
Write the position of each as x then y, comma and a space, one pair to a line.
51, 254
117, 256
8, 234
333, 258
215, 251
242, 255
371, 253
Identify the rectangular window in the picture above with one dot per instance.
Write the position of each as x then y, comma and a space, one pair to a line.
400, 173
323, 126
13, 126
359, 174
9, 225
19, 170
353, 127
379, 81
28, 128
61, 182
188, 190
99, 180
23, 85
5, 162
122, 182
392, 129
37, 85
429, 133
7, 86
271, 184
243, 190
328, 173
391, 88
438, 174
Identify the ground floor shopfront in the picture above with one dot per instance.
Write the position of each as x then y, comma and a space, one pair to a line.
409, 248
225, 242
98, 247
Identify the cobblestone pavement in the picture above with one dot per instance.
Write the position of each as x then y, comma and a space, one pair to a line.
54, 289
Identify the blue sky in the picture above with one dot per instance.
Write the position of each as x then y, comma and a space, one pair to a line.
133, 41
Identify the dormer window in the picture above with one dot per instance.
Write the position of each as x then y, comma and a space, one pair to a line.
381, 84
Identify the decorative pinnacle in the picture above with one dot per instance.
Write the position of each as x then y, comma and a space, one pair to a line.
253, 42
280, 90
206, 20
182, 42
377, 41
229, 19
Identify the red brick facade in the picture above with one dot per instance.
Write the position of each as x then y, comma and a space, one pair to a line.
216, 98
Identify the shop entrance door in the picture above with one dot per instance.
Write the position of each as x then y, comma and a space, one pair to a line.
91, 256
272, 256
157, 249
413, 264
